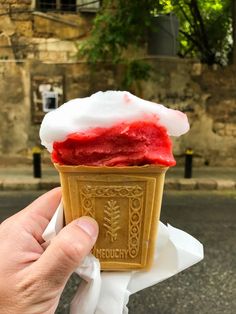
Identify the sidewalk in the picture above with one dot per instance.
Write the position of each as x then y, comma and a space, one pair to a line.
204, 178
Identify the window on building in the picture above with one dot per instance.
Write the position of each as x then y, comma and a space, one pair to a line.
50, 101
46, 5
67, 5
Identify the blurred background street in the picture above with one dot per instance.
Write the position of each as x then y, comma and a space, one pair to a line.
208, 287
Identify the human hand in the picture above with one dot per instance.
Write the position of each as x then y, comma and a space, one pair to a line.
32, 277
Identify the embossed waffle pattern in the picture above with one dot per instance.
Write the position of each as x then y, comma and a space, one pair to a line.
111, 219
112, 211
135, 214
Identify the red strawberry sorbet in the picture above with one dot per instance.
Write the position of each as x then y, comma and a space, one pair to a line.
133, 144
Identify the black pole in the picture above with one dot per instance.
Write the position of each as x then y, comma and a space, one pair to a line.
188, 163
37, 165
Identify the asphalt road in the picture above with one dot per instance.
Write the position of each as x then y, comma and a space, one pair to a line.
206, 288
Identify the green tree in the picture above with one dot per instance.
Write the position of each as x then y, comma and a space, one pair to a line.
205, 31
120, 24
205, 28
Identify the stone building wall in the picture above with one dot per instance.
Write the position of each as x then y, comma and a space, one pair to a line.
32, 43
208, 96
42, 47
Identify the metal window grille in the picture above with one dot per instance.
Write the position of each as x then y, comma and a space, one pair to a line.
68, 5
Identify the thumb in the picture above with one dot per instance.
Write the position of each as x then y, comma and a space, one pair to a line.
67, 250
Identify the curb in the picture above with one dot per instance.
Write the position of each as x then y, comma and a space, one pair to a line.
28, 184
199, 184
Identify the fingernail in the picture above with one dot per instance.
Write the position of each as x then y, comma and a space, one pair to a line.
88, 225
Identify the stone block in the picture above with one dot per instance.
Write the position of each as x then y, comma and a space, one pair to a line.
197, 69
72, 56
30, 56
47, 184
6, 52
20, 5
22, 2
171, 184
226, 184
24, 28
20, 12
230, 129
187, 184
219, 128
7, 26
206, 184
54, 56
62, 45
48, 26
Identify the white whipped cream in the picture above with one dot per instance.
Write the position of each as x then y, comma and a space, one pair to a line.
105, 109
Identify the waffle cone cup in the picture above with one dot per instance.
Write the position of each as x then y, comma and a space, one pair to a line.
126, 203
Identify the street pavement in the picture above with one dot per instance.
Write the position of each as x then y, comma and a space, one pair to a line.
203, 178
209, 287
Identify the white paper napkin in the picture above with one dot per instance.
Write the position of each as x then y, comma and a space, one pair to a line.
108, 292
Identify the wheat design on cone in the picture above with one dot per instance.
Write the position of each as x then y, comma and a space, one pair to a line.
111, 218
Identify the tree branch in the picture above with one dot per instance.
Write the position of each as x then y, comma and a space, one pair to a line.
185, 15
189, 37
199, 21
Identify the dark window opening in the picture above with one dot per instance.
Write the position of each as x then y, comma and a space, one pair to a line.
46, 5
68, 5
50, 101
56, 5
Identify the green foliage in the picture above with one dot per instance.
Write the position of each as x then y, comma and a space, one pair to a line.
205, 28
120, 23
137, 70
205, 31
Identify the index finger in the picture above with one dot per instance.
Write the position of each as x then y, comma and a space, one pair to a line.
36, 216
46, 204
